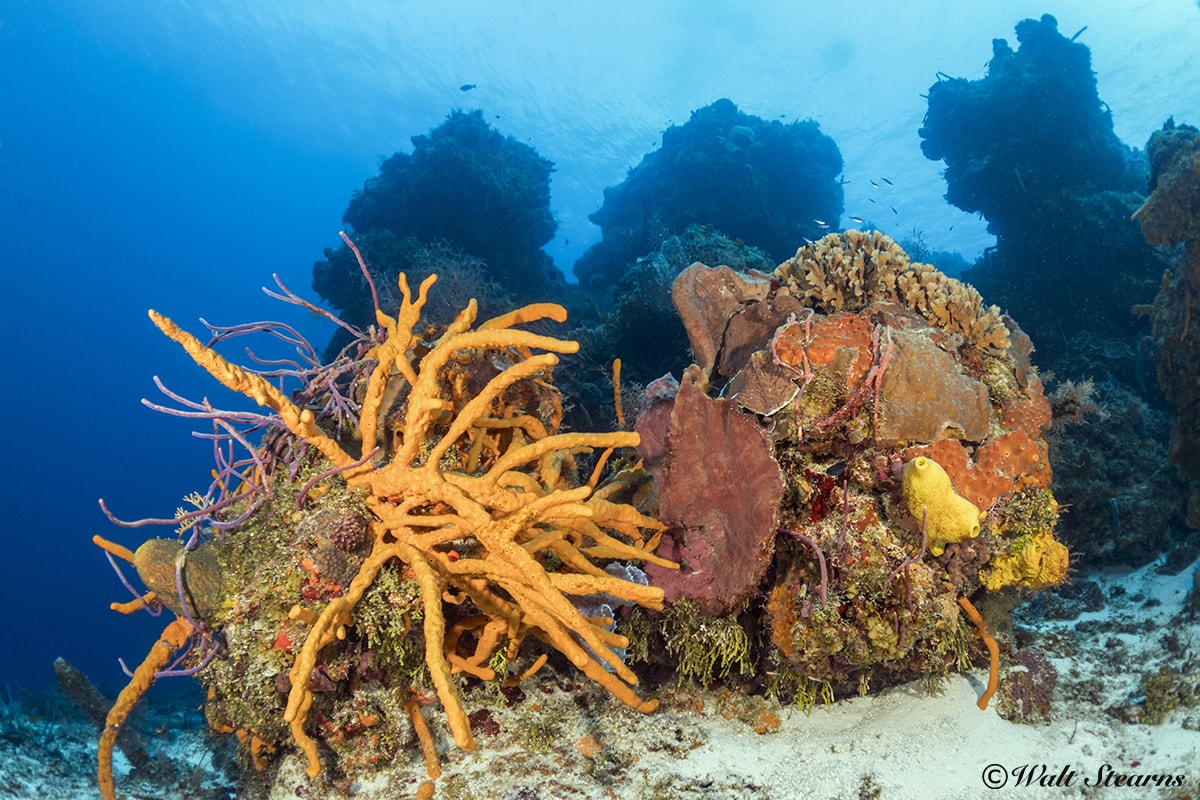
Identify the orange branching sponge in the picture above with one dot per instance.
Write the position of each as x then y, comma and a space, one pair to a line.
458, 464
433, 766
981, 631
173, 637
616, 378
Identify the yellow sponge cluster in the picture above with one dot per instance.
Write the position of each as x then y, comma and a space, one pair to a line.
1039, 562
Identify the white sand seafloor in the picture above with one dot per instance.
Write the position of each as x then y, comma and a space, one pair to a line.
898, 744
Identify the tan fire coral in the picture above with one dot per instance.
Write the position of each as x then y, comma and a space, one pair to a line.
849, 271
469, 532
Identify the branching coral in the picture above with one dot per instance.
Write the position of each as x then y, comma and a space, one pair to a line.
471, 494
848, 272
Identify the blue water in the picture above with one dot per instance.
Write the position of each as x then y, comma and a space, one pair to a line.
176, 155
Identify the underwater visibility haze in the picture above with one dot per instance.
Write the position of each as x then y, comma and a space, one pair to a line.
778, 357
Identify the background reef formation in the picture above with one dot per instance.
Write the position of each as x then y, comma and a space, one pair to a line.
1171, 216
1031, 147
473, 206
413, 516
468, 203
812, 388
638, 322
762, 182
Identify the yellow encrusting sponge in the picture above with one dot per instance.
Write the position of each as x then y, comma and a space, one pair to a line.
950, 518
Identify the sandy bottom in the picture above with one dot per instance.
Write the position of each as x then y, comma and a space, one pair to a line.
898, 744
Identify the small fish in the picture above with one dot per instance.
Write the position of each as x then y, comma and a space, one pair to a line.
871, 199
836, 470
894, 211
807, 240
951, 227
857, 220
874, 184
466, 87
821, 223
889, 183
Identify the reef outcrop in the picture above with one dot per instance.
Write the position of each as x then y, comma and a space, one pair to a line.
415, 527
760, 181
1031, 147
413, 514
1171, 216
468, 203
833, 363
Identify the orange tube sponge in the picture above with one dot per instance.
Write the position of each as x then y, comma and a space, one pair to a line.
520, 506
173, 637
993, 651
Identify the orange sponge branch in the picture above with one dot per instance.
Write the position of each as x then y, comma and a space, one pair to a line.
173, 637
993, 651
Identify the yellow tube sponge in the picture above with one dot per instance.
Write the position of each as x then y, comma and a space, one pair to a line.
951, 518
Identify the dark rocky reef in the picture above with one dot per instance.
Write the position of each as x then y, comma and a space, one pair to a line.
467, 200
1031, 147
1171, 217
762, 182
